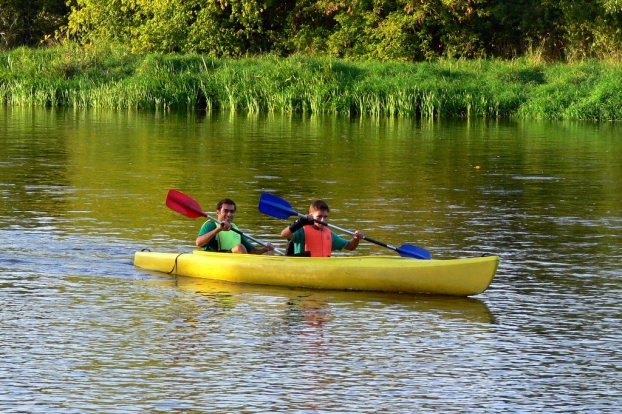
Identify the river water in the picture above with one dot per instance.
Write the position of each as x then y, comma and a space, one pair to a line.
83, 330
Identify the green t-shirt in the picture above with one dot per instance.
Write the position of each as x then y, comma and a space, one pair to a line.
214, 245
298, 239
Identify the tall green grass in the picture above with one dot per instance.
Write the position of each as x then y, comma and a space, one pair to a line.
111, 77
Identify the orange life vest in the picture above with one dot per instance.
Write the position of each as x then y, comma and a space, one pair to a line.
318, 242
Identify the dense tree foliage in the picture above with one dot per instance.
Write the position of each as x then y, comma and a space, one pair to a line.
29, 22
399, 30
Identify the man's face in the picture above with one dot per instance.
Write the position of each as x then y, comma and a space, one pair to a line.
321, 215
226, 213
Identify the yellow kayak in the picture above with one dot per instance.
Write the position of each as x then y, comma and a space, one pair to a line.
458, 277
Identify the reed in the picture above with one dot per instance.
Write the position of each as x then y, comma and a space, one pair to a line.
110, 77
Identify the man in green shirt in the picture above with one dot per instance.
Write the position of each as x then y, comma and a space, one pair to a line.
216, 237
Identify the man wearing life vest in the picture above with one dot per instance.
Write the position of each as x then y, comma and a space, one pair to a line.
310, 238
216, 237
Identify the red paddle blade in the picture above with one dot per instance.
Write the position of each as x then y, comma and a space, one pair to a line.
184, 204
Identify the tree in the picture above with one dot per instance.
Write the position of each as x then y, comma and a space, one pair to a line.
402, 30
407, 30
28, 22
215, 27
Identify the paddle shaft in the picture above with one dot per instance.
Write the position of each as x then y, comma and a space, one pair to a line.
349, 232
215, 220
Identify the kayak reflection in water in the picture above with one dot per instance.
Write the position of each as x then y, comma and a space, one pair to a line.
216, 237
309, 238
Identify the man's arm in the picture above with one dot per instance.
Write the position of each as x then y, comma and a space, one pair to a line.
261, 250
288, 232
203, 239
353, 244
252, 249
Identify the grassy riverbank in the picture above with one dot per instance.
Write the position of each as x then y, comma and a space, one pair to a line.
113, 78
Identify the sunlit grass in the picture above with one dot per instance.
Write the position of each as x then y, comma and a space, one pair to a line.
111, 77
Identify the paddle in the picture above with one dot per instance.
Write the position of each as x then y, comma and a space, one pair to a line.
277, 207
189, 207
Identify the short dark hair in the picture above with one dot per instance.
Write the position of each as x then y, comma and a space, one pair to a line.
319, 205
226, 201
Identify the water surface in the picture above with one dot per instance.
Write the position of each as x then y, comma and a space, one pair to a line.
83, 330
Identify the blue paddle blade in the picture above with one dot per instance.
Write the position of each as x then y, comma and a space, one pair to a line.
408, 250
275, 206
